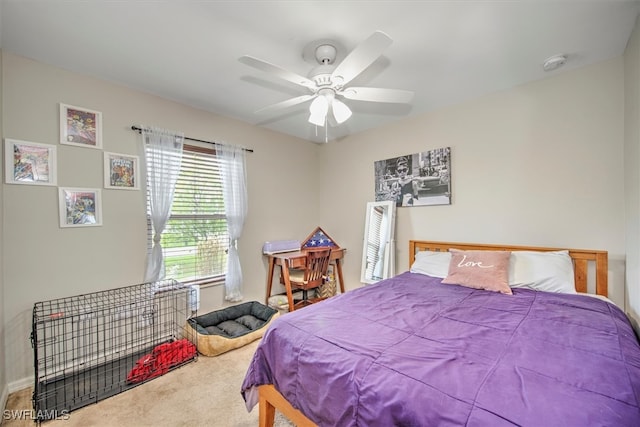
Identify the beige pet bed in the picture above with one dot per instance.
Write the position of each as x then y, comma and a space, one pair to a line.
232, 327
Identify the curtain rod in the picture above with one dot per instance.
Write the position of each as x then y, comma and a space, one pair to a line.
139, 130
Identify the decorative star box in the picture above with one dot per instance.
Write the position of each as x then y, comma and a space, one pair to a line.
319, 239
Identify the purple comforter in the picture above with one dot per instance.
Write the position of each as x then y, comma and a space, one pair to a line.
410, 351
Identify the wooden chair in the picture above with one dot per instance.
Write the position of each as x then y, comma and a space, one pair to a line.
311, 277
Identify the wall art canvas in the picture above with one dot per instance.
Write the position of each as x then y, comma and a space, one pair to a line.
80, 207
29, 163
419, 179
120, 171
80, 126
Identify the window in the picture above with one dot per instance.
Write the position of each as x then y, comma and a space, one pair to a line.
195, 239
373, 241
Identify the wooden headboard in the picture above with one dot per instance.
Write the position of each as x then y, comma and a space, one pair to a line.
581, 259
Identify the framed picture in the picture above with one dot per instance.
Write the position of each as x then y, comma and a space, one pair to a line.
80, 127
80, 207
29, 163
120, 171
419, 179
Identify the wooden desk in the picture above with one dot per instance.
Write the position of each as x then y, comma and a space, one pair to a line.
297, 259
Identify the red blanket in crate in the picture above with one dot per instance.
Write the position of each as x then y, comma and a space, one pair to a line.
161, 359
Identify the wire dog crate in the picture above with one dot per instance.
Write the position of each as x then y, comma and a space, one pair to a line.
85, 347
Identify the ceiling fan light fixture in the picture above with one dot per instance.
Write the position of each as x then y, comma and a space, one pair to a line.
340, 111
319, 109
328, 79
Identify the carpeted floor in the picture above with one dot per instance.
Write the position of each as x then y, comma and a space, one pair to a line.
202, 393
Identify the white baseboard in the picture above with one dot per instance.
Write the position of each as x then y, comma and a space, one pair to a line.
20, 384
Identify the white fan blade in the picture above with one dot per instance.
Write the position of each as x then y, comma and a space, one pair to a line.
277, 71
286, 103
376, 94
361, 57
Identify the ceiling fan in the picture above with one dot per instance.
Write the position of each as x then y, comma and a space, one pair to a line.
328, 82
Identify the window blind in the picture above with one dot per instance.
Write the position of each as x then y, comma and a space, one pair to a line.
196, 239
373, 240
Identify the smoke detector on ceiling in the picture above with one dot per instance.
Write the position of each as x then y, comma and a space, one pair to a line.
554, 62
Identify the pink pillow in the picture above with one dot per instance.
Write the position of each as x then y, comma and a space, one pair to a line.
487, 270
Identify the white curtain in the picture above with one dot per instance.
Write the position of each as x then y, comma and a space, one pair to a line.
234, 179
163, 156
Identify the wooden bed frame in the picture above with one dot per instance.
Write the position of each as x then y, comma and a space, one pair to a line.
580, 257
270, 399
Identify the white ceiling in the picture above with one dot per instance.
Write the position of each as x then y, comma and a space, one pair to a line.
188, 50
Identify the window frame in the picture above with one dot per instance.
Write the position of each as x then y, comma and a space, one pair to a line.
211, 280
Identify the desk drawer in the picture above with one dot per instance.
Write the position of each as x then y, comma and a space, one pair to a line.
298, 262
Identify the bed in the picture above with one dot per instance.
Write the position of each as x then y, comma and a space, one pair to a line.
417, 350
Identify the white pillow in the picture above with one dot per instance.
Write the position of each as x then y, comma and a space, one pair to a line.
537, 270
434, 264
542, 271
600, 297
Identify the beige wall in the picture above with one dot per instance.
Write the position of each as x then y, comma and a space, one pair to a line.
631, 169
3, 374
541, 164
43, 261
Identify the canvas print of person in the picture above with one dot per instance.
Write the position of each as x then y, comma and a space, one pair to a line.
419, 179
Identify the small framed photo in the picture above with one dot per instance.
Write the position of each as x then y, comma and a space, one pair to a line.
80, 127
29, 163
80, 207
120, 171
